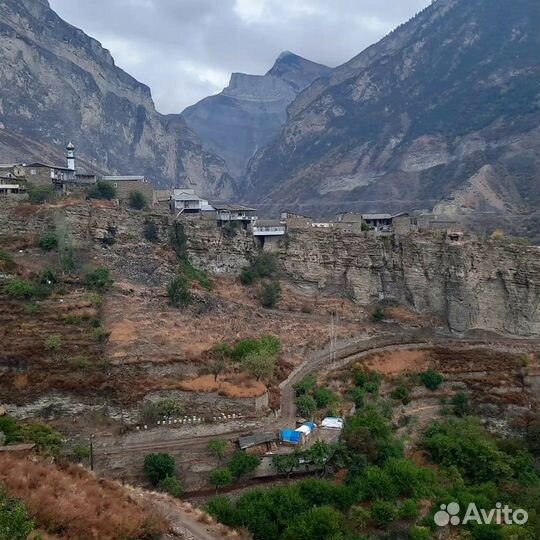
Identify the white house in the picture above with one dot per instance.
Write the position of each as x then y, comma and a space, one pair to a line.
185, 201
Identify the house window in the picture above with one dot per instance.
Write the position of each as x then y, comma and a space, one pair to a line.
414, 221
33, 171
115, 184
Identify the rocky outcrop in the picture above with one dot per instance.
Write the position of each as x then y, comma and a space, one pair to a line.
417, 118
58, 84
247, 114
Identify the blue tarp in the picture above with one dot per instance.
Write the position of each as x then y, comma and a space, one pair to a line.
290, 436
310, 425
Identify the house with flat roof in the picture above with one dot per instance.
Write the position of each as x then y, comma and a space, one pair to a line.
125, 185
233, 213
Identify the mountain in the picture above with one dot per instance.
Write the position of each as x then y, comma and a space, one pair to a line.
247, 114
444, 112
58, 84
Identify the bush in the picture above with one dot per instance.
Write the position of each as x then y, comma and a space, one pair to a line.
53, 343
195, 274
157, 467
178, 292
270, 294
242, 463
218, 448
383, 512
409, 510
460, 404
48, 241
151, 232
324, 397
172, 486
320, 523
306, 385
401, 393
99, 279
357, 396
420, 533
378, 315
137, 200
20, 289
222, 509
81, 452
306, 406
15, 524
431, 379
39, 194
247, 276
264, 265
102, 190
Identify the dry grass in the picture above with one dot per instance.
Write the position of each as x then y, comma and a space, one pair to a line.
74, 505
238, 386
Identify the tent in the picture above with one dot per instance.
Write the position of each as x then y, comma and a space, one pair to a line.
332, 422
290, 436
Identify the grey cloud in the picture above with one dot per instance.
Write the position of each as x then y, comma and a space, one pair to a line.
186, 49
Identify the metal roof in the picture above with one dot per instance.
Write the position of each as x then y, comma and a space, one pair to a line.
247, 441
122, 178
376, 216
231, 207
38, 164
185, 197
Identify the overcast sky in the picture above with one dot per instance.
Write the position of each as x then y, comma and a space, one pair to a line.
186, 49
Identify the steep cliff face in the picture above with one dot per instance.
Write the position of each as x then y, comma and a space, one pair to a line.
58, 84
247, 114
471, 284
445, 107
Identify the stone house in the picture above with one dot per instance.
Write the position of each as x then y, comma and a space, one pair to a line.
125, 185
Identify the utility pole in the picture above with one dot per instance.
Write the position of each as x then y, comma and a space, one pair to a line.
92, 452
333, 335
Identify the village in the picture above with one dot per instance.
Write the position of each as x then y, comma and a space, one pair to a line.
16, 179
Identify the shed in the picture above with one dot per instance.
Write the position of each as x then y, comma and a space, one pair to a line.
290, 436
256, 439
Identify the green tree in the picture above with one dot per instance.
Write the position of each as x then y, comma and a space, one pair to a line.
15, 524
306, 385
322, 523
270, 294
324, 397
158, 466
137, 200
319, 454
171, 485
178, 292
99, 279
102, 190
460, 404
218, 448
242, 463
286, 463
431, 379
305, 405
221, 478
259, 364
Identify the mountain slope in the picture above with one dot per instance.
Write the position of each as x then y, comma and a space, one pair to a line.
247, 114
450, 97
58, 84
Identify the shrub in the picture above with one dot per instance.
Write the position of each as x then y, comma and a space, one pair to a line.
48, 241
419, 533
460, 404
270, 294
178, 241
401, 393
378, 315
247, 276
39, 194
169, 407
157, 467
102, 190
151, 232
263, 266
320, 523
81, 362
81, 452
371, 387
99, 279
383, 512
53, 343
137, 200
15, 524
47, 440
221, 477
324, 397
20, 289
195, 274
242, 463
178, 292
222, 509
431, 379
100, 334
359, 517
172, 486
306, 406
306, 385
409, 510
357, 396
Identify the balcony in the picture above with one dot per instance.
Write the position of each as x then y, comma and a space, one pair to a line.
269, 231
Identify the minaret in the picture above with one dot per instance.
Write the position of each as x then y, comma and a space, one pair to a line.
70, 153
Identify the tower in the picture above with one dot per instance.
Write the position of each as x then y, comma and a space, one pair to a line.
70, 154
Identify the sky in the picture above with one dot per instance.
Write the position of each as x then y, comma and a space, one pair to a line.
186, 50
